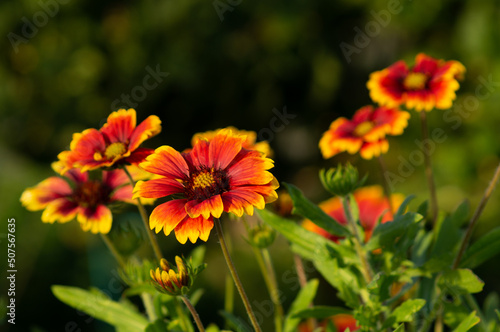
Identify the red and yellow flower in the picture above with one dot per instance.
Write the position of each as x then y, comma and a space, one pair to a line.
372, 204
250, 142
115, 144
340, 321
215, 176
430, 83
78, 196
366, 132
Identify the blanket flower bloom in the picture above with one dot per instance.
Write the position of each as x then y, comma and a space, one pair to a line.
341, 322
429, 84
365, 132
77, 195
372, 204
115, 144
215, 176
250, 142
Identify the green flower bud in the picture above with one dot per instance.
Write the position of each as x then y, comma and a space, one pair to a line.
341, 181
261, 236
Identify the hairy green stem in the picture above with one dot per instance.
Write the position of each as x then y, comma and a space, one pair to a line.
235, 276
475, 217
112, 249
366, 269
144, 217
194, 313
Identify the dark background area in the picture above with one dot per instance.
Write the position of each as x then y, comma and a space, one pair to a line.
64, 65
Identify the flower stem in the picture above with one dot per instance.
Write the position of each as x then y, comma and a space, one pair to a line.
114, 252
267, 270
194, 313
366, 269
144, 217
183, 321
428, 167
299, 268
475, 217
387, 188
235, 276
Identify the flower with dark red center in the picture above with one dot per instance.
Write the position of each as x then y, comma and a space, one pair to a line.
215, 176
365, 132
78, 196
429, 84
115, 144
372, 204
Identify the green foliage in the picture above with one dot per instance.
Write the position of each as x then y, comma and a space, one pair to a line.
302, 301
98, 305
307, 209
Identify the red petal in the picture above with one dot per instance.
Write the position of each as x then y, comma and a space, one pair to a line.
193, 228
157, 188
168, 162
167, 215
148, 128
209, 207
223, 148
120, 125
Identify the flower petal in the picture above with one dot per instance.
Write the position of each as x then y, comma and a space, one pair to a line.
96, 220
223, 148
37, 198
119, 126
61, 210
148, 128
157, 188
194, 228
168, 162
166, 216
208, 207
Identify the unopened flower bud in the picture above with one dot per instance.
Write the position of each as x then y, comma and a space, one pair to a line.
174, 281
261, 236
341, 181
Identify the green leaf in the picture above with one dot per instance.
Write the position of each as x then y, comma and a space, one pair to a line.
139, 289
468, 323
486, 247
454, 313
198, 255
305, 208
301, 302
342, 279
101, 307
460, 281
310, 244
405, 312
320, 312
385, 235
404, 206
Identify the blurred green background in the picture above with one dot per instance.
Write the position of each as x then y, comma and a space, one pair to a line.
65, 65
